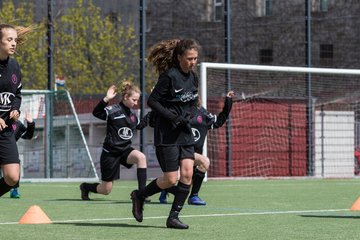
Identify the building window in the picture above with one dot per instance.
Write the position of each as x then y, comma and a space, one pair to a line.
326, 51
268, 7
264, 7
320, 5
266, 56
148, 22
326, 55
323, 5
218, 10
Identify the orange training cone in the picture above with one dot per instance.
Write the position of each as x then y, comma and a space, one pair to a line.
356, 205
34, 215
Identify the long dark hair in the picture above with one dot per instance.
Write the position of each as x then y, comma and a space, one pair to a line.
163, 55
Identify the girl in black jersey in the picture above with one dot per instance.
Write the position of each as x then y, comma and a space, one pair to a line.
10, 101
117, 150
201, 122
172, 100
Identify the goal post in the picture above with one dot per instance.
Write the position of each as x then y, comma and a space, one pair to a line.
285, 121
71, 158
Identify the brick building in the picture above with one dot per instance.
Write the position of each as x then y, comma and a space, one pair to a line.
262, 31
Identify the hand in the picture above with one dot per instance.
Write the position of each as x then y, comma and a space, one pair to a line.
28, 117
183, 122
2, 124
14, 114
110, 94
179, 121
230, 94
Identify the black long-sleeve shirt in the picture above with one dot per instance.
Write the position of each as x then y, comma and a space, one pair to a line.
22, 131
202, 121
175, 94
10, 88
121, 123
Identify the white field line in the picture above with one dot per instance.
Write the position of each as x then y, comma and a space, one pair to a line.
195, 216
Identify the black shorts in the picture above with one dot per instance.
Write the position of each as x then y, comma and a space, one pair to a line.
169, 156
110, 164
8, 148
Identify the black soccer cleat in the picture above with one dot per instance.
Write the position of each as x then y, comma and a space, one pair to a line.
173, 221
176, 223
84, 192
137, 205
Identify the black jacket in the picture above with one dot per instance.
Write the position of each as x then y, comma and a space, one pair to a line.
121, 123
10, 88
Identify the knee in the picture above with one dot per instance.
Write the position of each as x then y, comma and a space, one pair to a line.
186, 179
104, 188
141, 161
106, 191
187, 173
205, 163
12, 180
171, 181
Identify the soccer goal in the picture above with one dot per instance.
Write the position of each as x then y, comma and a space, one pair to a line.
58, 151
285, 121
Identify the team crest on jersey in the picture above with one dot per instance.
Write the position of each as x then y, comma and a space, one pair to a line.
14, 127
14, 79
199, 119
196, 134
125, 133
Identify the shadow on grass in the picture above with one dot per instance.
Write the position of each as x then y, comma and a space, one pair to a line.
96, 200
124, 225
332, 216
158, 203
103, 201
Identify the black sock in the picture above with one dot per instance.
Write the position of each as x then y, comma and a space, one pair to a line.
4, 187
171, 190
197, 179
91, 187
141, 177
151, 189
180, 196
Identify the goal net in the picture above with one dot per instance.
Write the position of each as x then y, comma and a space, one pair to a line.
58, 150
285, 121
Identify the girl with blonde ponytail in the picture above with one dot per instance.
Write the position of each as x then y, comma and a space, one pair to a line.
117, 149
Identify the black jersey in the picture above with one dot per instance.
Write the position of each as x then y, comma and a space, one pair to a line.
121, 123
10, 88
175, 94
202, 121
22, 131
